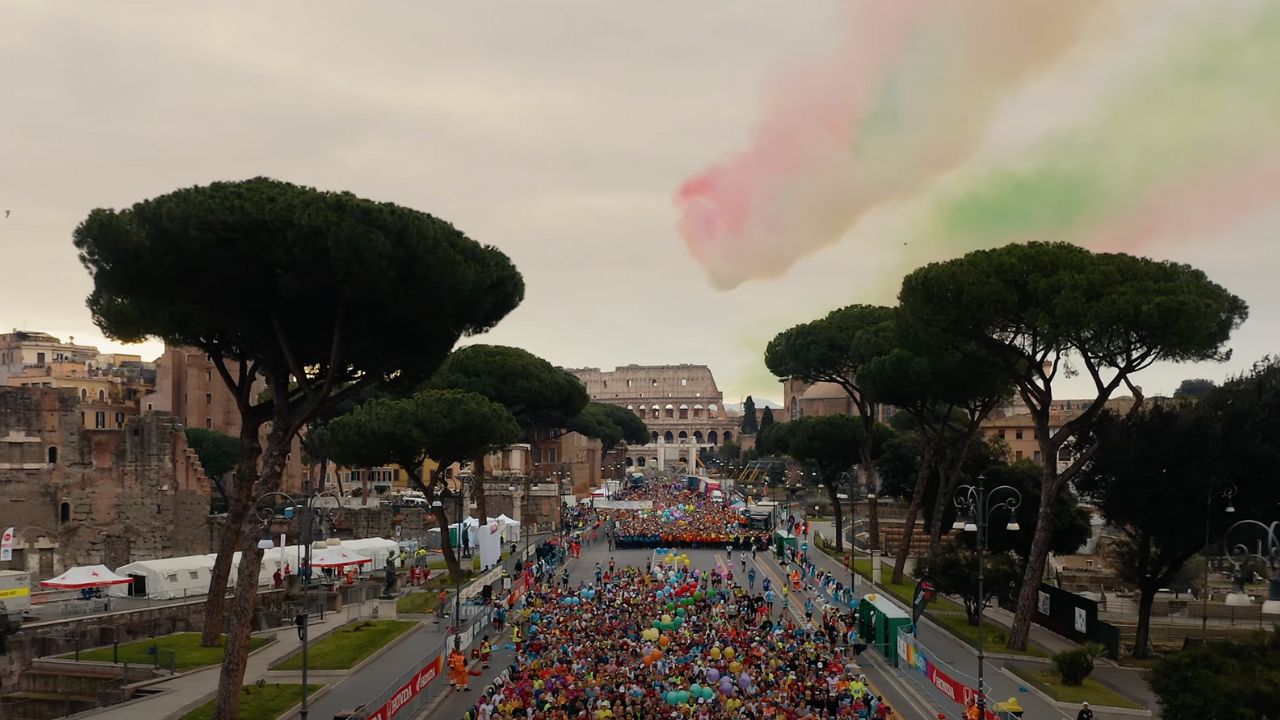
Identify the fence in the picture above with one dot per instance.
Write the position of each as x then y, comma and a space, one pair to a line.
957, 685
413, 690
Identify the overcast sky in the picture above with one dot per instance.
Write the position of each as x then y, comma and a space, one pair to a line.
558, 131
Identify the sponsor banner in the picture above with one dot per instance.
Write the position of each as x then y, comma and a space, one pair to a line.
911, 656
6, 545
410, 690
14, 592
925, 590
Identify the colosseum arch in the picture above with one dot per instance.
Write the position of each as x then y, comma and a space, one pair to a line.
670, 411
728, 436
640, 461
684, 412
630, 462
697, 411
697, 437
653, 436
667, 437
713, 411
657, 412
684, 436
713, 437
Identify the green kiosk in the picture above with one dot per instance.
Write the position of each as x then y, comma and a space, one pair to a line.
782, 538
878, 623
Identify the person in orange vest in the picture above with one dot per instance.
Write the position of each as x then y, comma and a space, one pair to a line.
486, 649
458, 676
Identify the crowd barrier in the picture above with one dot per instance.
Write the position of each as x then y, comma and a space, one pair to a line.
650, 542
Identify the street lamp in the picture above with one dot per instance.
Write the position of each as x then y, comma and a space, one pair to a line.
851, 476
978, 504
1238, 597
266, 543
1225, 493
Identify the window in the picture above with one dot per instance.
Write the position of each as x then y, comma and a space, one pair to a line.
208, 423
100, 420
64, 512
606, 383
102, 395
40, 358
208, 376
1001, 431
149, 407
119, 421
172, 577
84, 395
1018, 455
655, 382
208, 398
1036, 456
193, 574
1017, 434
684, 382
53, 455
628, 383
551, 454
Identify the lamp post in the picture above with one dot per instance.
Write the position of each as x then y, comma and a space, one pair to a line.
851, 476
1225, 493
266, 543
979, 504
1238, 597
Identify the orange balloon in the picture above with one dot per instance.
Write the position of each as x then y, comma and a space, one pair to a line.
657, 654
664, 641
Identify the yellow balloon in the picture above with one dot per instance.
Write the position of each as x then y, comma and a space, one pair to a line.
728, 653
735, 667
715, 653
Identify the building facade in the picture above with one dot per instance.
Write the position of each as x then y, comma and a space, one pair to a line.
801, 399
79, 496
681, 405
109, 386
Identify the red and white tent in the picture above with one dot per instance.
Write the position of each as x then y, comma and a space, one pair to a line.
85, 576
336, 557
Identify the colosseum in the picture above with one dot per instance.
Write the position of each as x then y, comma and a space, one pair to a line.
680, 404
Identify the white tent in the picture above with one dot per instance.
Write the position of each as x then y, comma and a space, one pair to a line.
377, 549
336, 557
85, 576
510, 529
167, 578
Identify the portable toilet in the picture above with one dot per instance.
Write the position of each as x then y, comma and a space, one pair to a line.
879, 620
782, 538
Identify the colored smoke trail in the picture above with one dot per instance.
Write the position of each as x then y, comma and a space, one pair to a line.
1191, 149
906, 97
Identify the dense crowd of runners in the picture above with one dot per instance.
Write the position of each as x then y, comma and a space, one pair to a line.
680, 518
671, 641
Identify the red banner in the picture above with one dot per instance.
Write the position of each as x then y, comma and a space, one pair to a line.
958, 692
410, 690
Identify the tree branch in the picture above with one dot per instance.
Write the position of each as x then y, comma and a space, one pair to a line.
298, 372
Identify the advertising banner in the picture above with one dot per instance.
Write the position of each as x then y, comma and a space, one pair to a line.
912, 656
410, 690
490, 544
6, 546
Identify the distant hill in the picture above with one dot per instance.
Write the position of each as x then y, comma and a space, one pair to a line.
736, 408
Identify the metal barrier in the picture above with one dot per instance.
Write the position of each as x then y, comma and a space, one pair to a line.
415, 688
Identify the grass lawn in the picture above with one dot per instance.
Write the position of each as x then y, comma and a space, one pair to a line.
266, 702
997, 637
416, 603
186, 647
1092, 691
348, 645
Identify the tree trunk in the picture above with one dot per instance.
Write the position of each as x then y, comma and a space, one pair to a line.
873, 488
446, 544
1142, 641
834, 495
482, 506
227, 700
246, 476
909, 522
1037, 557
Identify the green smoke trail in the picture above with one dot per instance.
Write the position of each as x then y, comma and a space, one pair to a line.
1212, 102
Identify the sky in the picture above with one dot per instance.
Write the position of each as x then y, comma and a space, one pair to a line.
676, 181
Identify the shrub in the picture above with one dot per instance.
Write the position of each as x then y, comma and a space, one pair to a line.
1075, 665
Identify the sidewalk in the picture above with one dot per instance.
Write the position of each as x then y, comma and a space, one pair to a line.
184, 693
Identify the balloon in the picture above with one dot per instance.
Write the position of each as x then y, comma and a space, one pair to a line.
684, 696
728, 653
735, 667
656, 654
681, 612
666, 618
744, 681
713, 676
664, 641
715, 653
696, 689
726, 685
